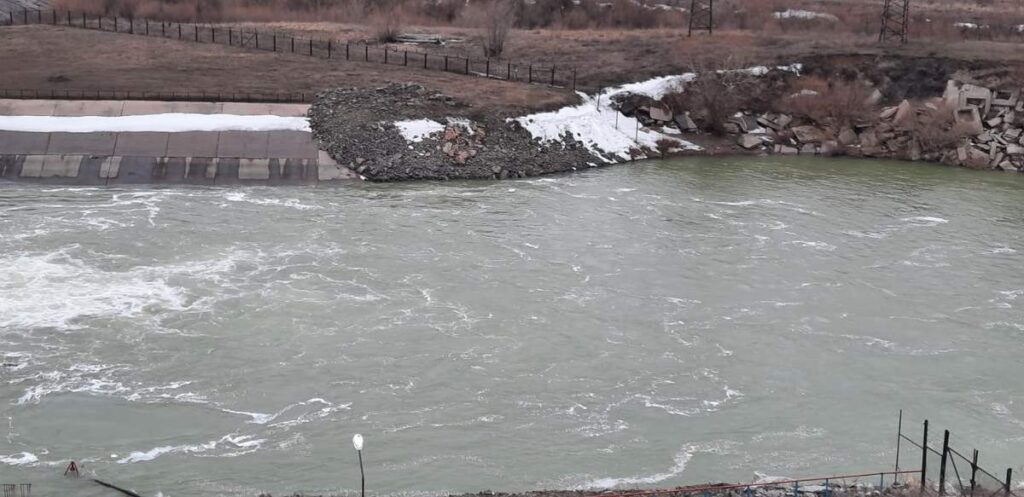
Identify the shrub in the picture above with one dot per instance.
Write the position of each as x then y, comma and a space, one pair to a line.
840, 103
720, 90
387, 26
496, 19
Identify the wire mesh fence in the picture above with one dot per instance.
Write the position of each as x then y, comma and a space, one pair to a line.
951, 468
322, 48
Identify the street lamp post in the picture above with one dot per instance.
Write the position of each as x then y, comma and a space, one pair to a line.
357, 442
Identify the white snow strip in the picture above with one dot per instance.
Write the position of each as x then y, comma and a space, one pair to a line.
166, 123
804, 14
418, 129
601, 128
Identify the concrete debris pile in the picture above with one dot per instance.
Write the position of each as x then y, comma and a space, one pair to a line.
969, 126
359, 129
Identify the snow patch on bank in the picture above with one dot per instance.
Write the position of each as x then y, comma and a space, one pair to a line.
804, 14
19, 459
165, 123
414, 131
604, 130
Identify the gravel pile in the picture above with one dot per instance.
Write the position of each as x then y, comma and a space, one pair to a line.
356, 127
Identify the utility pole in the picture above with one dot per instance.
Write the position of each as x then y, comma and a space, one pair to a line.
895, 18
701, 16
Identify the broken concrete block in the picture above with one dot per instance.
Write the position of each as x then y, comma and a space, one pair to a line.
995, 121
847, 137
684, 123
749, 142
1005, 98
874, 99
1014, 149
783, 120
660, 114
970, 120
808, 134
902, 112
976, 159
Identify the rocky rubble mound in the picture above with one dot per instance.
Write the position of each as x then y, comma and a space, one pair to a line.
969, 126
357, 127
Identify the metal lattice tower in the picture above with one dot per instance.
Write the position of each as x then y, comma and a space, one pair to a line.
895, 17
701, 18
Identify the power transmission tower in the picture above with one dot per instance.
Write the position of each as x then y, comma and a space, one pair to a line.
701, 17
895, 16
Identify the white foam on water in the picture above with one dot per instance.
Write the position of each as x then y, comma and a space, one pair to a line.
679, 465
924, 221
165, 123
56, 290
21, 459
230, 445
241, 196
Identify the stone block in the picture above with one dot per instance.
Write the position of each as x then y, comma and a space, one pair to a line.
254, 169
81, 143
22, 143
144, 144
808, 134
243, 144
291, 144
749, 142
192, 144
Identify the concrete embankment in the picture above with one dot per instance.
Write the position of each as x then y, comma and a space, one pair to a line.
268, 157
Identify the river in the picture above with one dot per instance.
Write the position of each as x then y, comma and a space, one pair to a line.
650, 325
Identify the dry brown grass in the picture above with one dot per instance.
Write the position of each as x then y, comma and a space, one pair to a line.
33, 55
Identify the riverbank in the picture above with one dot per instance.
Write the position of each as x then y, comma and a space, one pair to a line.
927, 109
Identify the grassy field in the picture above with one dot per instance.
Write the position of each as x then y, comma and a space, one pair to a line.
45, 58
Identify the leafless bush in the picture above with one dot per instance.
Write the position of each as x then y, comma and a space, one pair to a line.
839, 103
387, 26
496, 19
936, 129
720, 89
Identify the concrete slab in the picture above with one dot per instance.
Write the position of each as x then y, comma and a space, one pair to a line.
21, 143
32, 166
142, 144
170, 170
291, 144
193, 144
60, 166
110, 168
254, 169
288, 110
89, 171
107, 108
82, 143
135, 170
294, 172
135, 108
246, 109
10, 166
243, 144
200, 170
14, 107
227, 171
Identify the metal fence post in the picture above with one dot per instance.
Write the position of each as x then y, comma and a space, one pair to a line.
405, 57
257, 35
508, 75
115, 24
25, 13
467, 65
366, 53
231, 36
346, 50
974, 471
310, 47
385, 55
1009, 475
899, 438
942, 463
196, 28
531, 74
424, 60
826, 488
487, 68
552, 75
131, 25
445, 62
273, 42
796, 489
179, 30
213, 34
924, 456
328, 49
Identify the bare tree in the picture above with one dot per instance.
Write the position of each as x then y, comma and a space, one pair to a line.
497, 19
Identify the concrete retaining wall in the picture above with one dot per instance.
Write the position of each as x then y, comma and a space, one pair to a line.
113, 170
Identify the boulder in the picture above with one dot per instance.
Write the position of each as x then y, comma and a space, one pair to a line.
847, 136
684, 123
749, 142
829, 148
976, 158
903, 112
1014, 149
808, 134
786, 150
995, 121
874, 99
808, 149
661, 114
869, 138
